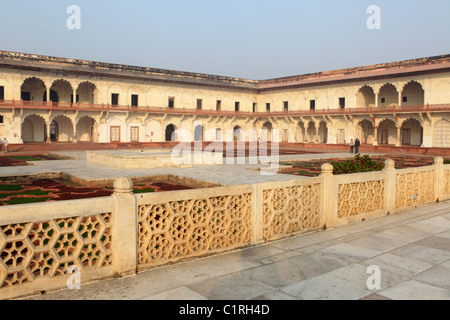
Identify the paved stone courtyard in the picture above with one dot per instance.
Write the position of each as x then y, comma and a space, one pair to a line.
411, 250
230, 174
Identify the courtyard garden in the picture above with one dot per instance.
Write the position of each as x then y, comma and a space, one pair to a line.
354, 165
22, 160
31, 190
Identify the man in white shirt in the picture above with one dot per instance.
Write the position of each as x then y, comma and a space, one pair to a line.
5, 142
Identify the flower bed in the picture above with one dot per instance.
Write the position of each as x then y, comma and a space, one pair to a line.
22, 191
21, 160
356, 164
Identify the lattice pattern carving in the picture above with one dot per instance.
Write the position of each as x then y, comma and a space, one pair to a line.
180, 229
290, 210
360, 197
447, 183
415, 188
29, 251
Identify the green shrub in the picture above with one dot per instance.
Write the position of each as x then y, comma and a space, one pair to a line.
359, 164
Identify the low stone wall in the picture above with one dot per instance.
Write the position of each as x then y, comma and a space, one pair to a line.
41, 245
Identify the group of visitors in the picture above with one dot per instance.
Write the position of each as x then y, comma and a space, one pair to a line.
354, 146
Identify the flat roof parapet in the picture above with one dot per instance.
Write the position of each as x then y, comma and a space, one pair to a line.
41, 63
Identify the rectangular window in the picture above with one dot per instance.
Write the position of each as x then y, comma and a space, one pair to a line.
405, 99
2, 93
342, 103
268, 107
171, 102
254, 107
218, 105
312, 104
286, 106
1, 119
134, 134
25, 96
199, 104
115, 134
115, 99
236, 106
134, 100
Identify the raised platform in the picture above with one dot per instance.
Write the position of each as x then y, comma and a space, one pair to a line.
152, 158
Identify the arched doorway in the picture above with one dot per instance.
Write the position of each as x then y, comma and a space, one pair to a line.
413, 94
311, 132
85, 129
61, 91
34, 129
323, 132
198, 133
301, 132
54, 131
86, 93
411, 133
365, 97
266, 134
33, 89
170, 133
61, 129
237, 133
387, 132
366, 132
388, 95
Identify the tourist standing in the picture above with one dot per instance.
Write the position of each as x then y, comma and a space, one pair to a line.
357, 144
5, 142
352, 146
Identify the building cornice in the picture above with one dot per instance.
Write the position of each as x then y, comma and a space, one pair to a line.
83, 68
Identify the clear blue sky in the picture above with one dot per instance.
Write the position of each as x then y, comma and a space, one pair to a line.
254, 39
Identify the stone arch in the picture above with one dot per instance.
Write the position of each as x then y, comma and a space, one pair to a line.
266, 134
323, 132
86, 93
85, 129
311, 132
411, 132
300, 132
199, 132
387, 132
365, 131
33, 129
64, 129
170, 132
61, 91
388, 95
33, 89
413, 94
237, 133
365, 97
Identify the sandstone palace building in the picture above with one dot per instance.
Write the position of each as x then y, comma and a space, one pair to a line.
49, 100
